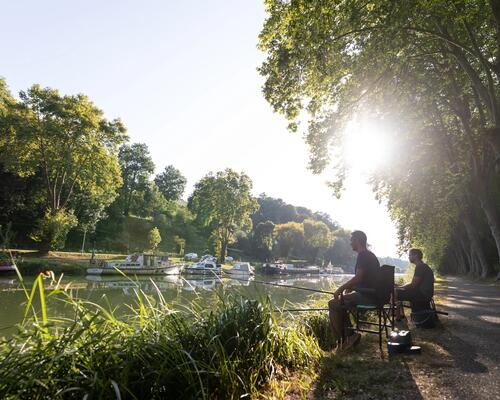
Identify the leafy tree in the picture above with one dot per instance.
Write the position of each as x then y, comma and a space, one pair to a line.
263, 240
136, 166
152, 201
223, 203
171, 183
290, 238
6, 236
54, 227
274, 210
317, 237
180, 245
432, 66
154, 239
66, 140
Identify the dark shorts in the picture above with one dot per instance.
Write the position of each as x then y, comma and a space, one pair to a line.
355, 298
410, 294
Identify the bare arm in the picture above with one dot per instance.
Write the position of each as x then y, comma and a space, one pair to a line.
351, 283
415, 282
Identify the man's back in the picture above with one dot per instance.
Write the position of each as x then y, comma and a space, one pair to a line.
426, 285
369, 264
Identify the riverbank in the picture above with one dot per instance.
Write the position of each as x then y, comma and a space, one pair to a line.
453, 349
232, 349
31, 263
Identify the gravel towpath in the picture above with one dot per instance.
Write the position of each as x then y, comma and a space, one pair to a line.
471, 339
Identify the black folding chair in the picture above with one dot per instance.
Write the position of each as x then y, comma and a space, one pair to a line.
383, 305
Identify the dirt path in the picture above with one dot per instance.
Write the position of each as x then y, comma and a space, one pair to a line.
460, 358
469, 342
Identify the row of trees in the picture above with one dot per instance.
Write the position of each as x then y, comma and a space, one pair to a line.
63, 166
430, 71
69, 177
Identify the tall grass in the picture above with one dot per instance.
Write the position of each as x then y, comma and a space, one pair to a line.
229, 351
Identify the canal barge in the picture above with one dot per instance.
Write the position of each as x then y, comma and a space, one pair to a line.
134, 264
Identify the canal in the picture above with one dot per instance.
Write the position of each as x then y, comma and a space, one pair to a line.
117, 293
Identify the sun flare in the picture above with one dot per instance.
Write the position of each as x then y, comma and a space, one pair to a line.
366, 145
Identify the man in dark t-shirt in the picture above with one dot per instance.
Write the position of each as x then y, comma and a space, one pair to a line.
421, 287
365, 276
369, 264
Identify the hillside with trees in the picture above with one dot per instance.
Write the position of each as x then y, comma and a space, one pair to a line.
73, 181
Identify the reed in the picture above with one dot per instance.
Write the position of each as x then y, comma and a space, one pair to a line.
229, 351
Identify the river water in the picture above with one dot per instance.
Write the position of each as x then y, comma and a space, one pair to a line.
116, 292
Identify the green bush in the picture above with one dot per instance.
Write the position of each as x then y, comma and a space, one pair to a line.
318, 325
53, 228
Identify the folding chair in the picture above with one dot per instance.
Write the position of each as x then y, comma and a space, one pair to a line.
383, 305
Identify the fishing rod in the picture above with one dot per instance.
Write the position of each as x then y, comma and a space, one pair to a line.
283, 285
300, 309
308, 289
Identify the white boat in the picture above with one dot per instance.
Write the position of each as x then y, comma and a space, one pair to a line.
134, 264
288, 269
207, 266
240, 269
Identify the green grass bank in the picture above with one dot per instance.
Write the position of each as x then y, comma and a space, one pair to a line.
233, 350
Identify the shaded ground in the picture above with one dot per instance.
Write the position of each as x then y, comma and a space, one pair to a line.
471, 340
460, 358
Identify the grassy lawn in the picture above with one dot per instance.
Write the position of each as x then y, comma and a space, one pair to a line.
72, 263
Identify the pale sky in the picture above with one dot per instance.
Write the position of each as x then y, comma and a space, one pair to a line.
182, 77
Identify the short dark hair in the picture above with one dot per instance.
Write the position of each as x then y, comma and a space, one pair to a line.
361, 236
417, 252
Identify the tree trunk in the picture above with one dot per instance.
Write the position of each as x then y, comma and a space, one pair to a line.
223, 251
491, 213
44, 246
460, 267
476, 245
465, 256
83, 241
493, 138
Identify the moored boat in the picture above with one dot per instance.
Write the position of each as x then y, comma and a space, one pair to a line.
288, 269
240, 269
134, 264
207, 266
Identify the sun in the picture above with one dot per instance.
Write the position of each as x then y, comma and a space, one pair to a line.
366, 145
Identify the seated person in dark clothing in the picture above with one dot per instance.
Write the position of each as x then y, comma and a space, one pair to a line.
421, 287
365, 277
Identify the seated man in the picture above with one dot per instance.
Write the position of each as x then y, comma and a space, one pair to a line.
365, 277
421, 287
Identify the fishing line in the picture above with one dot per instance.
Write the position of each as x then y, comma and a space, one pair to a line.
283, 285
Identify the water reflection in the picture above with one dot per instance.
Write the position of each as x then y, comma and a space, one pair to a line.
8, 282
119, 292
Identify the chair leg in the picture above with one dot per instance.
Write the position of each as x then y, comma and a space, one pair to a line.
385, 324
380, 329
393, 315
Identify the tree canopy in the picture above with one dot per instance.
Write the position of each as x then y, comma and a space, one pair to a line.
68, 142
171, 183
136, 167
430, 71
223, 203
